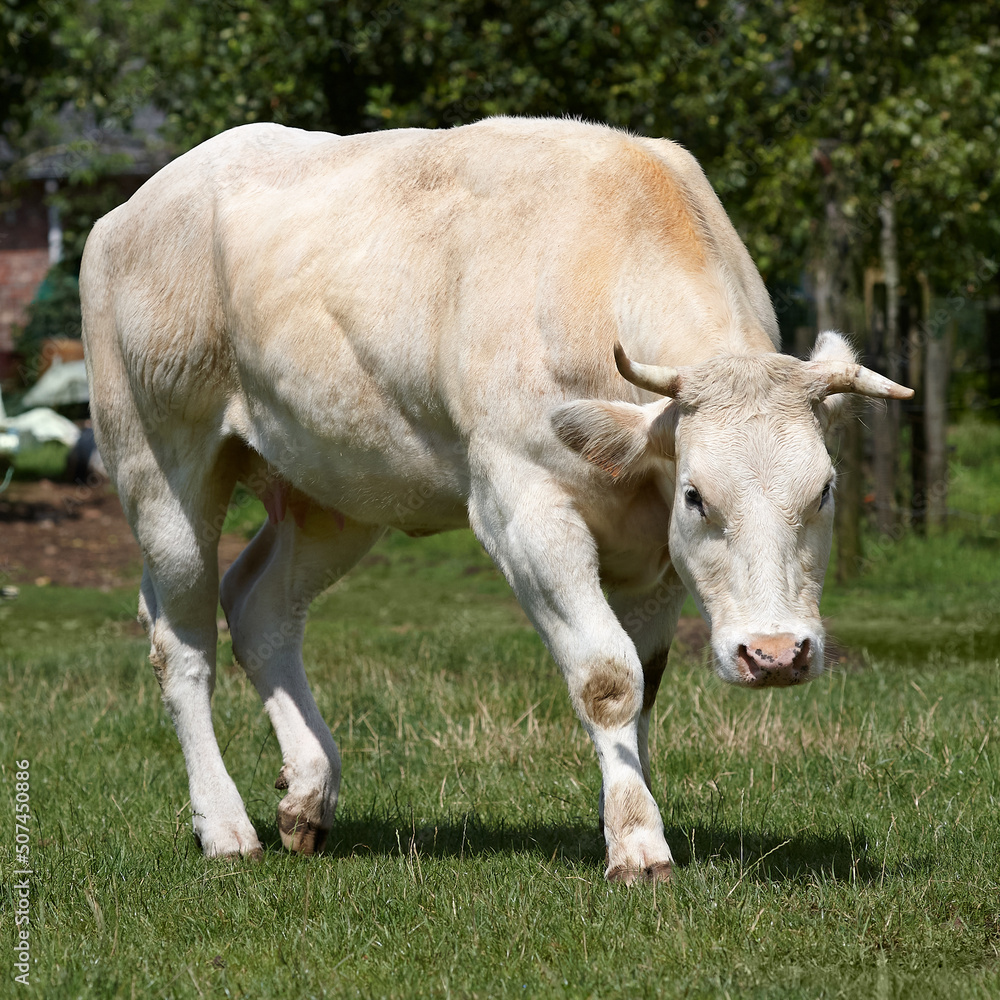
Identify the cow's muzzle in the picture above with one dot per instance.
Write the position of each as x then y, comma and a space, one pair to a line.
775, 660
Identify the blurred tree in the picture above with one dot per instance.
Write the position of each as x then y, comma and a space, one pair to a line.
892, 92
25, 48
351, 66
883, 116
59, 53
55, 312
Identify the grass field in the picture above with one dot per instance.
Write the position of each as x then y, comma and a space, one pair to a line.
838, 840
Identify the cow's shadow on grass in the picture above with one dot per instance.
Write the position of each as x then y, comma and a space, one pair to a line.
764, 856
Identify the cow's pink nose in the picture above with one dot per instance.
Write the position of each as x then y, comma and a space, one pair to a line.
776, 660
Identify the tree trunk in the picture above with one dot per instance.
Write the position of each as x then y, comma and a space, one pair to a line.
839, 306
936, 375
885, 413
850, 497
914, 410
918, 322
805, 339
824, 295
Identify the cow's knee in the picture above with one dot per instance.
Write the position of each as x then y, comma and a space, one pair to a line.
158, 659
187, 658
609, 694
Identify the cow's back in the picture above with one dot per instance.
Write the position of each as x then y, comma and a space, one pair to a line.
397, 293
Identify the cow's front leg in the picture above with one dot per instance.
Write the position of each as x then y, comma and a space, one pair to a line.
545, 550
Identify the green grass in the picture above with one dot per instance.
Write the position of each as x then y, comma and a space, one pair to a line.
922, 598
838, 840
974, 490
46, 461
246, 513
937, 596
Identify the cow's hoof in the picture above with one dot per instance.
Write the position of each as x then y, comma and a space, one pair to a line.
640, 876
230, 844
251, 854
299, 835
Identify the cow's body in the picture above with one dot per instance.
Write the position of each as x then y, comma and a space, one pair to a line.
411, 329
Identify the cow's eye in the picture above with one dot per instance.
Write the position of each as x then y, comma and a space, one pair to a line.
693, 499
825, 495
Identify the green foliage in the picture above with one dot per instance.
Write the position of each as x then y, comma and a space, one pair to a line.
933, 597
54, 312
885, 94
976, 445
362, 65
46, 461
25, 49
55, 53
878, 95
246, 513
974, 490
771, 98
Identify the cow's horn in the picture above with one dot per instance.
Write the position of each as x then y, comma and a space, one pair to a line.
655, 378
839, 376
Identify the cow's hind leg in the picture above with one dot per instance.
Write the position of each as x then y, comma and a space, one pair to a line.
650, 618
175, 497
266, 595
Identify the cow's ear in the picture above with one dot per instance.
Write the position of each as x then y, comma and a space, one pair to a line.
833, 346
620, 438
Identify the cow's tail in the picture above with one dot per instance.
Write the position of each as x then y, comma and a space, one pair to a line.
110, 400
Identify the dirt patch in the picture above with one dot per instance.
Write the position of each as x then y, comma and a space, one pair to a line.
74, 536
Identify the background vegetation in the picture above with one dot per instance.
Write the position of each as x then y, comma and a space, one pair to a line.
839, 840
772, 98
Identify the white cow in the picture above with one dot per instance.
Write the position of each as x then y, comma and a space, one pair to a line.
416, 329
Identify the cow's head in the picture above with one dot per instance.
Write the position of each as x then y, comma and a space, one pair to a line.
738, 448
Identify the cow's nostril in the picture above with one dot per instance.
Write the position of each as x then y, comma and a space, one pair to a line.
803, 654
755, 665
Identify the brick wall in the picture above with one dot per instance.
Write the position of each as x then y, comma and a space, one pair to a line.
21, 272
24, 218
